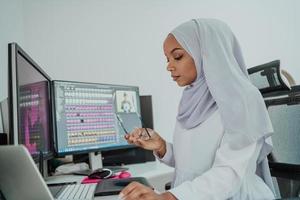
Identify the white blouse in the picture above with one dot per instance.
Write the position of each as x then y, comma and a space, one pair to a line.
207, 168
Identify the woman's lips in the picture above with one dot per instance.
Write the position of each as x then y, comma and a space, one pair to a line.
175, 78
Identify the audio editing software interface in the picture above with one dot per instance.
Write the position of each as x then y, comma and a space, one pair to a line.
94, 116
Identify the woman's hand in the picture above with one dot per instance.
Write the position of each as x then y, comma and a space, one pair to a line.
137, 191
140, 138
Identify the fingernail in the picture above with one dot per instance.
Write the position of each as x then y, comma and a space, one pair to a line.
121, 195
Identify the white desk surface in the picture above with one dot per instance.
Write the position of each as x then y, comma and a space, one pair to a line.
158, 174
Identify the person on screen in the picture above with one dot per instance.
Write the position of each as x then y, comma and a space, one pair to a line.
126, 105
222, 133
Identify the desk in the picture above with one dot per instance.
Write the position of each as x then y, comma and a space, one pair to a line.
158, 174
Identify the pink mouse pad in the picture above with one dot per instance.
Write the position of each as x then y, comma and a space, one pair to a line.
119, 175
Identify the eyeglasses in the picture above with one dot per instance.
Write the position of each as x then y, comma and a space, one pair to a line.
122, 125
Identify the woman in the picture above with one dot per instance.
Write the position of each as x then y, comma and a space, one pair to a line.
222, 133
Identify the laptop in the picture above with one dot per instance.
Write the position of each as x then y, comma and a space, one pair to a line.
20, 179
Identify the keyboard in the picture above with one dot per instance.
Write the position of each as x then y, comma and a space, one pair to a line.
73, 192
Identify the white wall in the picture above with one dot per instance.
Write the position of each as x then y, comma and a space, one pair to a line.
118, 41
11, 30
296, 68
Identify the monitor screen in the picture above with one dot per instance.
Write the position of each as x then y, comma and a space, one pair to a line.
29, 104
92, 117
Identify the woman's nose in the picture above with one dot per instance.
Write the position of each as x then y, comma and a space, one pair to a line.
170, 67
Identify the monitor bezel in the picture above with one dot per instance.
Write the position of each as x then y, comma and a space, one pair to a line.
53, 82
13, 50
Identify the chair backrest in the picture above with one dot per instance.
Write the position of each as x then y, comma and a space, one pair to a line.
284, 112
283, 104
282, 99
267, 78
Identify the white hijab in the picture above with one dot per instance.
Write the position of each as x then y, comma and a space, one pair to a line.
222, 83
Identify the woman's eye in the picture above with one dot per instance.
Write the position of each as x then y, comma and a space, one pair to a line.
178, 57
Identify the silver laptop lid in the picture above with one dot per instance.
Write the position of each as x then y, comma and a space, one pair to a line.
19, 176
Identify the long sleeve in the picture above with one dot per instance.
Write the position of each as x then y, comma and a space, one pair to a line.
225, 177
168, 158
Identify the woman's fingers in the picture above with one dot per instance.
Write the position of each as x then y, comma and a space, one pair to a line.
133, 191
140, 137
132, 138
128, 189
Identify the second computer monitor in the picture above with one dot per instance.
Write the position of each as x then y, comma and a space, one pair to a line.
92, 117
29, 104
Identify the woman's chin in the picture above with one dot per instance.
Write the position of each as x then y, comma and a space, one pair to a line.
180, 84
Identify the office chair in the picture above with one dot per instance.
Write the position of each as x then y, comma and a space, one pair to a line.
282, 98
268, 78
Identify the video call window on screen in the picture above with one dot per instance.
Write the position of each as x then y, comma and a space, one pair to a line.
91, 117
126, 101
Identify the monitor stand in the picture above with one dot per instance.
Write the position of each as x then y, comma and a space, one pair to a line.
95, 160
95, 163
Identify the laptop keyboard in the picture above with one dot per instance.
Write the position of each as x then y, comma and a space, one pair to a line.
75, 192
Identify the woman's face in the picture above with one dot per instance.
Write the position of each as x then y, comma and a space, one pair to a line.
180, 63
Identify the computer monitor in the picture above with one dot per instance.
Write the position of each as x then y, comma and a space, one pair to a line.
90, 117
29, 104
